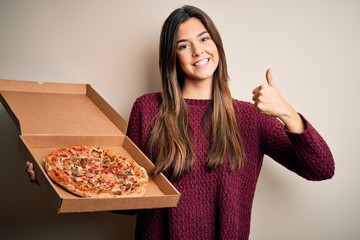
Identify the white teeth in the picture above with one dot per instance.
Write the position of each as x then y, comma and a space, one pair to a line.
202, 62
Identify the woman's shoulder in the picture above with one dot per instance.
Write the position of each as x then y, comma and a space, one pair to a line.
245, 111
152, 96
244, 106
242, 102
148, 99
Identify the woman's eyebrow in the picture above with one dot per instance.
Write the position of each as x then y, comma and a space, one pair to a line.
186, 40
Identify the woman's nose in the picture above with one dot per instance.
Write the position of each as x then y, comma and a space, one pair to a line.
197, 50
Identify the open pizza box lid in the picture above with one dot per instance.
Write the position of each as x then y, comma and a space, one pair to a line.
52, 115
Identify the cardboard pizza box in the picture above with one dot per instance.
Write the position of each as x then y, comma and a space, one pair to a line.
53, 115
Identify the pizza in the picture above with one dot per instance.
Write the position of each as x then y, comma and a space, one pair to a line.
96, 172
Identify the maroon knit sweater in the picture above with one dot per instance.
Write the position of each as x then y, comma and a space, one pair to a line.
217, 204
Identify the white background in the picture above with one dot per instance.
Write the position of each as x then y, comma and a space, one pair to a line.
312, 46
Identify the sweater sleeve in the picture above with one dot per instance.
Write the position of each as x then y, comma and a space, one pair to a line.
306, 153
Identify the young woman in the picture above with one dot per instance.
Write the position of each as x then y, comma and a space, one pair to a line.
210, 145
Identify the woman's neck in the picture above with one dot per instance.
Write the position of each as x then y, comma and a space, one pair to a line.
197, 90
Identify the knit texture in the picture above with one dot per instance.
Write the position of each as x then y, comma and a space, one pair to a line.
217, 204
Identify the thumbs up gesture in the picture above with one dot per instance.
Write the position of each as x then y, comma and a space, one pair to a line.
267, 99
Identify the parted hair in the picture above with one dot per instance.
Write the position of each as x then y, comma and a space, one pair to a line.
169, 143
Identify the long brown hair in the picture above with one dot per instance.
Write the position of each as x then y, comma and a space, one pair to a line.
169, 143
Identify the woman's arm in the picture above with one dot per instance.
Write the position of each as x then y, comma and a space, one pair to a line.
293, 142
305, 153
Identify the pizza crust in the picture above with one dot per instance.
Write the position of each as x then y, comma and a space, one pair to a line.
95, 172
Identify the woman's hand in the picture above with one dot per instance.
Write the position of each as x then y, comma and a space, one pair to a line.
31, 172
268, 100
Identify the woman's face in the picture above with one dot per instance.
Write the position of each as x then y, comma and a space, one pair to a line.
196, 51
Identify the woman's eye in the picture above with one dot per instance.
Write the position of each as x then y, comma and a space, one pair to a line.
182, 47
205, 39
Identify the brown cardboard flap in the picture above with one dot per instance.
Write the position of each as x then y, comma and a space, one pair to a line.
38, 87
48, 110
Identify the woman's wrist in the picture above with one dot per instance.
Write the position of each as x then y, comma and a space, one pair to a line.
293, 121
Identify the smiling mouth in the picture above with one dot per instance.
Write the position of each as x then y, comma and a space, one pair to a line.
201, 62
